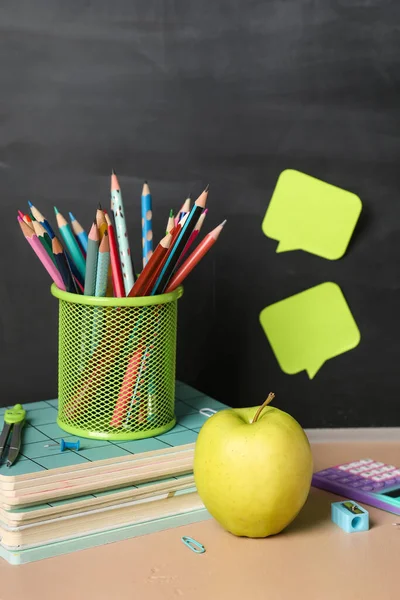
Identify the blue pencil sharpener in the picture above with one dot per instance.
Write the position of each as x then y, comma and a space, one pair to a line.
350, 517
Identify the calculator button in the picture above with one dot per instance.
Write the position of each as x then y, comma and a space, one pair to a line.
359, 469
346, 479
365, 461
378, 486
357, 483
333, 476
381, 477
323, 473
368, 474
396, 473
376, 464
345, 467
390, 482
387, 468
368, 488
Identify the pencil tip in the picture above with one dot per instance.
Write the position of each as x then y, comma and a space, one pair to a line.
113, 172
30, 204
207, 187
71, 216
171, 213
56, 210
223, 223
205, 211
146, 182
99, 207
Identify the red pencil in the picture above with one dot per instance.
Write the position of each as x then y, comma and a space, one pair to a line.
145, 279
116, 272
195, 258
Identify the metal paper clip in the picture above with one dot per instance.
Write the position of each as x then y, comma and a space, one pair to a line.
207, 412
193, 545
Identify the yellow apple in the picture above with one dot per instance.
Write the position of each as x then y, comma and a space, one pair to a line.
253, 469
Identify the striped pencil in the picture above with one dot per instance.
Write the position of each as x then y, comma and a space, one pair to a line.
193, 236
117, 207
101, 222
147, 228
103, 262
171, 222
185, 208
80, 234
39, 217
116, 272
179, 244
195, 257
44, 239
62, 264
145, 281
41, 254
91, 261
70, 242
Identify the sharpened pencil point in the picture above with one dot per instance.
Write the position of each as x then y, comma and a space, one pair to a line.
56, 210
207, 187
113, 172
146, 182
223, 223
171, 213
71, 216
100, 206
30, 204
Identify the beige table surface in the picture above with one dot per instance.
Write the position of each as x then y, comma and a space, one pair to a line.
312, 559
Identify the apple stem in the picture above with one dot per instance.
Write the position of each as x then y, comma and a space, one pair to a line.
271, 396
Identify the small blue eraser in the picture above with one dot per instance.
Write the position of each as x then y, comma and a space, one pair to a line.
350, 516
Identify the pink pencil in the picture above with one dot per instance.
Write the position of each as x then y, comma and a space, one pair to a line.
41, 253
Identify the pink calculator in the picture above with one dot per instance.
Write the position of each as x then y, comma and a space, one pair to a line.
364, 480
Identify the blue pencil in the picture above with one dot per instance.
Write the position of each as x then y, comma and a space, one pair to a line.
147, 230
80, 233
40, 218
177, 248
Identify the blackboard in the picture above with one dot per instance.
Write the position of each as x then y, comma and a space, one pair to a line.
186, 93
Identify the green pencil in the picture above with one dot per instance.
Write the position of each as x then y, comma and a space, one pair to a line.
91, 260
103, 262
70, 243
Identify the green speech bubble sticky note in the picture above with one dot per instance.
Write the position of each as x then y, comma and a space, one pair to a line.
309, 328
308, 214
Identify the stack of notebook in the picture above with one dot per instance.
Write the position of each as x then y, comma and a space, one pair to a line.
52, 502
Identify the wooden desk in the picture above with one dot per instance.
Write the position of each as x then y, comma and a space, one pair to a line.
312, 559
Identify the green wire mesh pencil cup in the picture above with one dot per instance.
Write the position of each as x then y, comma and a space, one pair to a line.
116, 365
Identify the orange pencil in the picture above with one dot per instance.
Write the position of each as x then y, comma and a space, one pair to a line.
116, 272
145, 278
195, 257
101, 222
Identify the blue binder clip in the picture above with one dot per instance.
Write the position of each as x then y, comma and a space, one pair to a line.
193, 545
350, 516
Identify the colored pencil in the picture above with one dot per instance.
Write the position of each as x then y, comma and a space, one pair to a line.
184, 209
62, 265
103, 261
171, 222
44, 238
70, 242
41, 253
125, 393
116, 272
154, 276
101, 222
29, 221
91, 261
147, 227
195, 257
76, 278
145, 281
177, 248
80, 234
117, 207
193, 236
20, 214
39, 217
